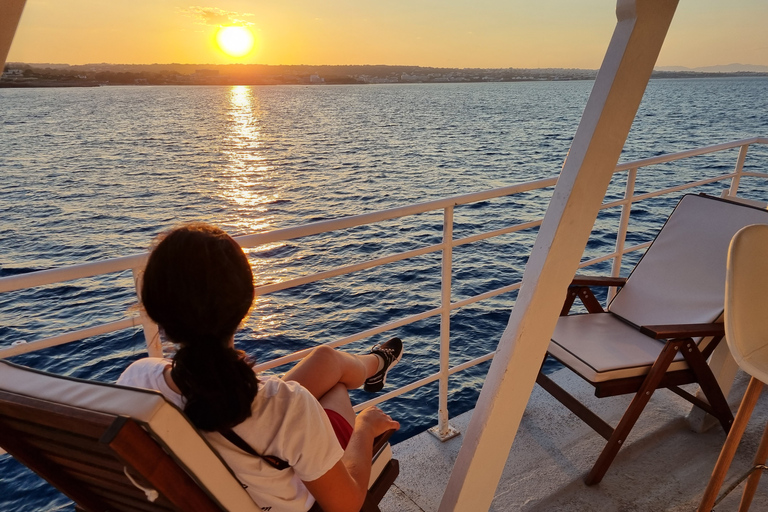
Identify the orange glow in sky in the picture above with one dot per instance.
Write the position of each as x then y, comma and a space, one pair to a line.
439, 33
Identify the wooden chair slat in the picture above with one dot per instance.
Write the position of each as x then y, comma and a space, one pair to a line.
113, 482
32, 458
60, 417
93, 453
43, 432
107, 469
136, 501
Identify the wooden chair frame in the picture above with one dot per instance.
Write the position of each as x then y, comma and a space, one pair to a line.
385, 479
110, 462
86, 455
678, 339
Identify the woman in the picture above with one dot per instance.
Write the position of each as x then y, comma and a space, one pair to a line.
198, 287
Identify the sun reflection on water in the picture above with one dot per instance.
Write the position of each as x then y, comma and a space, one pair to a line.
248, 184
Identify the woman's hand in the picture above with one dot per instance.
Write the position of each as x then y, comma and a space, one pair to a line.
343, 488
375, 421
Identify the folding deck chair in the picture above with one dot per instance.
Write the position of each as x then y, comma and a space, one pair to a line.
115, 448
660, 328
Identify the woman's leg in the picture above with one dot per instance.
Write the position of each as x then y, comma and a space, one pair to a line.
337, 399
325, 367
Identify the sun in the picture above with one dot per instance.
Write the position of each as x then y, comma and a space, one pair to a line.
235, 41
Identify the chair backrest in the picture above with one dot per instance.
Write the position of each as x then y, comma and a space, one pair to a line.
101, 443
681, 277
746, 302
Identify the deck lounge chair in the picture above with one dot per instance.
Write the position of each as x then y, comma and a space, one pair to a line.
660, 328
115, 448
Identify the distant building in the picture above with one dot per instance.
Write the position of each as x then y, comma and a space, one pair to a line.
316, 79
12, 74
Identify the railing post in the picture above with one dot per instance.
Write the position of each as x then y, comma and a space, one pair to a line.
621, 235
151, 332
444, 430
738, 170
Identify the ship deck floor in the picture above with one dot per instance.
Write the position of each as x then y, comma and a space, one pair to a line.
663, 466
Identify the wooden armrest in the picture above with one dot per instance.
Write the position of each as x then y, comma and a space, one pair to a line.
580, 287
381, 440
598, 281
676, 331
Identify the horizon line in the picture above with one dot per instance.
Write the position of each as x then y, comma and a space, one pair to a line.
356, 65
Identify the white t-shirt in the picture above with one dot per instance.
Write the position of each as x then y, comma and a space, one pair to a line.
286, 421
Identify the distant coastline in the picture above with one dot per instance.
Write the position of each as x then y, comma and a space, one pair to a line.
21, 84
17, 74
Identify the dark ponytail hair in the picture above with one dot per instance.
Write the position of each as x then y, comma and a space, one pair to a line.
198, 287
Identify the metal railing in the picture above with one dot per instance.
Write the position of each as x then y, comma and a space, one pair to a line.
136, 262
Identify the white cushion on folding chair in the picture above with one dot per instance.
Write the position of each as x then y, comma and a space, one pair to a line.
681, 277
600, 347
164, 420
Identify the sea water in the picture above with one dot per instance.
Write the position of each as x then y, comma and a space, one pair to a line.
96, 173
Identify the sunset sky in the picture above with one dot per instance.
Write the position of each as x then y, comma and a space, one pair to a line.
440, 33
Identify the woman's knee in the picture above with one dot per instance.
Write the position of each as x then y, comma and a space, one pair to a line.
323, 356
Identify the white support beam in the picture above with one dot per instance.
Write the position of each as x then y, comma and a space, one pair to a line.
640, 31
10, 14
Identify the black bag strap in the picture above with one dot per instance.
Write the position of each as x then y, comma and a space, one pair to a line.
275, 462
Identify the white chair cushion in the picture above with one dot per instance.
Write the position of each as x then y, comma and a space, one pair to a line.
164, 420
681, 277
600, 347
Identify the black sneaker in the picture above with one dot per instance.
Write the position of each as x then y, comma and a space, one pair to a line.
391, 351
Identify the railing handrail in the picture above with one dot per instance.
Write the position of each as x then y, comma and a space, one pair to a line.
324, 226
71, 272
58, 275
645, 162
68, 273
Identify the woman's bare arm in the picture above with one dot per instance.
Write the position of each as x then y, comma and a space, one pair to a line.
343, 487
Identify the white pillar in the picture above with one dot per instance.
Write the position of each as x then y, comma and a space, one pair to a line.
10, 13
640, 31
